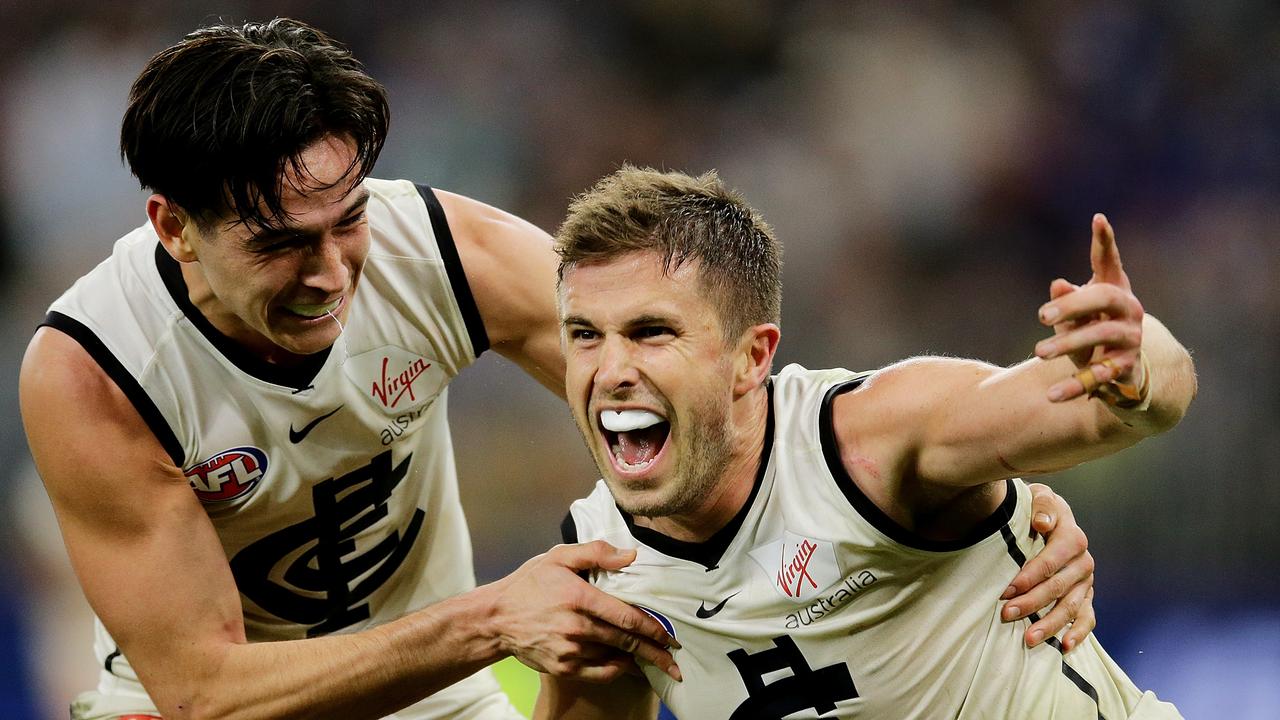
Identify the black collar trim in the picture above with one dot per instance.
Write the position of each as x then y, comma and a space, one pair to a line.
298, 377
709, 552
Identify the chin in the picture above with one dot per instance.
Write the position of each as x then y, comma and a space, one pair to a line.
308, 343
642, 509
641, 503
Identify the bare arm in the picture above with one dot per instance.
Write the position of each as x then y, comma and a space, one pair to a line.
977, 422
154, 571
628, 698
961, 423
926, 428
511, 268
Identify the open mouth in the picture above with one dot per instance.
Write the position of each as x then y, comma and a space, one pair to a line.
635, 437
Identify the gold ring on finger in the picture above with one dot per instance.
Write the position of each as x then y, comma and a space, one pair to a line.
1088, 379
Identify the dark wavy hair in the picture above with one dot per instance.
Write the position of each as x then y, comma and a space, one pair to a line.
215, 120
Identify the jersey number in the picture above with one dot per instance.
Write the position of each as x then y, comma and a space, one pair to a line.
805, 688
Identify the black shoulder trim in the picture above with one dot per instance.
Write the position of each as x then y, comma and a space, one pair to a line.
872, 513
569, 534
1015, 552
457, 274
127, 383
298, 377
569, 529
111, 660
709, 552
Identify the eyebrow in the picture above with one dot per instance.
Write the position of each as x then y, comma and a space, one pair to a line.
651, 319
635, 322
575, 320
361, 200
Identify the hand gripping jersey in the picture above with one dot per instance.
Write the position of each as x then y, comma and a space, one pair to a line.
812, 603
332, 486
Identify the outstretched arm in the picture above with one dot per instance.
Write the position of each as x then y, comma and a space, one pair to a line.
155, 572
960, 423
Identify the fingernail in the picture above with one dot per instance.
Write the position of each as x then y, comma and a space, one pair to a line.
1036, 636
1011, 612
1101, 372
674, 643
1009, 592
675, 673
1056, 393
1048, 313
1043, 518
1047, 350
1067, 644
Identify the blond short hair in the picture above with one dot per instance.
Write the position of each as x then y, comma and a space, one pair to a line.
684, 218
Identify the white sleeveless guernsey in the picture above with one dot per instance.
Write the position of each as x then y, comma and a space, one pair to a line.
813, 603
332, 486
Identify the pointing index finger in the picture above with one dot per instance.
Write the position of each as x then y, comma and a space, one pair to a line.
1104, 255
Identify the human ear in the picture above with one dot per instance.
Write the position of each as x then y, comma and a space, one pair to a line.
172, 227
754, 357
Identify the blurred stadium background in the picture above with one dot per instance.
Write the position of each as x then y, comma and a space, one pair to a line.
929, 166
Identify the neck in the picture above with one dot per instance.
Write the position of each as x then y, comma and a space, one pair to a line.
750, 418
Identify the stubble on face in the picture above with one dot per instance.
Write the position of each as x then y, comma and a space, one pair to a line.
702, 449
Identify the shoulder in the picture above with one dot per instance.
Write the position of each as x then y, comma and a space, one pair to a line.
465, 219
799, 393
795, 375
882, 425
405, 219
507, 264
489, 239
77, 418
593, 517
914, 387
59, 376
128, 279
55, 360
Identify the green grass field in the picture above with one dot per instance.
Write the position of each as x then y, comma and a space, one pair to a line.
519, 682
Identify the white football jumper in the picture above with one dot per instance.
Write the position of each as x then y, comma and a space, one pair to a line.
812, 603
332, 486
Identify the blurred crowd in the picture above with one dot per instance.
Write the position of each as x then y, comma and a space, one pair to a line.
930, 167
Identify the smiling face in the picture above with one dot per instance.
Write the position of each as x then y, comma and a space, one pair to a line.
641, 340
274, 289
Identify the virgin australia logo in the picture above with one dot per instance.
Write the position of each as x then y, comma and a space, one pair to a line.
396, 379
797, 566
390, 389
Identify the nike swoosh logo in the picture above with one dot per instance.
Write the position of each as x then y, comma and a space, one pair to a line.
704, 613
297, 436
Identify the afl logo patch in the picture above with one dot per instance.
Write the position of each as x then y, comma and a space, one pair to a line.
228, 475
662, 619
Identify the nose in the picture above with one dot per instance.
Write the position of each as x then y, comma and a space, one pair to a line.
324, 268
617, 367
